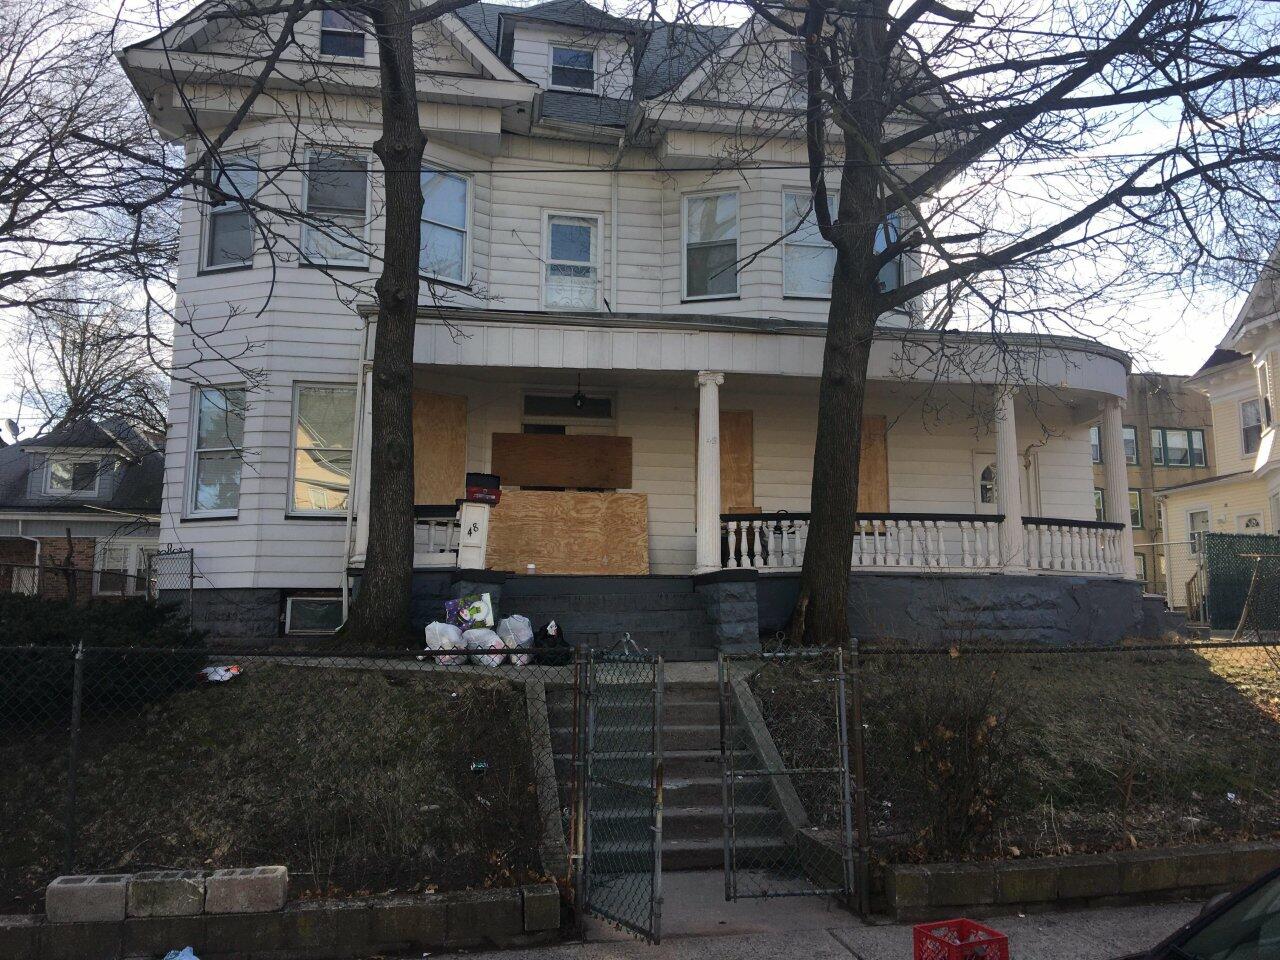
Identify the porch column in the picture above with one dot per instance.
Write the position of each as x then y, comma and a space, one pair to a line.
1116, 472
360, 477
708, 512
1013, 554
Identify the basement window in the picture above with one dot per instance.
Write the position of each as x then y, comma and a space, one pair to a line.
312, 616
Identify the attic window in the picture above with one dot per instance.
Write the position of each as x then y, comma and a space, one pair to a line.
72, 477
573, 68
341, 35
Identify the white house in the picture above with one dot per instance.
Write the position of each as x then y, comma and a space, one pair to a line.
617, 303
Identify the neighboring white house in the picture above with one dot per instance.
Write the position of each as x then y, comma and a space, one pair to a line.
593, 341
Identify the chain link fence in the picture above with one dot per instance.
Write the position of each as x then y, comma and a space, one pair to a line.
363, 773
976, 753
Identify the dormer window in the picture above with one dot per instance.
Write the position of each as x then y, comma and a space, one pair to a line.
341, 35
72, 476
573, 68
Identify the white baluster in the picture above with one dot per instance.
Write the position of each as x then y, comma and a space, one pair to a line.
731, 537
771, 555
802, 537
758, 559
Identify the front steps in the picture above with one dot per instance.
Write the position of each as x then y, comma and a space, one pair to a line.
693, 812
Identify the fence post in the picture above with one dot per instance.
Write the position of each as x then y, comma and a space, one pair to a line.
73, 760
582, 677
858, 745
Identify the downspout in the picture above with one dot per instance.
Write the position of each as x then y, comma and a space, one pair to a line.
356, 476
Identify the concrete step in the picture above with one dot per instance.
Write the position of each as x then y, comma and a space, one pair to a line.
679, 712
674, 736
686, 823
692, 643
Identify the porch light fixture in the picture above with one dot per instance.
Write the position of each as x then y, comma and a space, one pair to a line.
579, 398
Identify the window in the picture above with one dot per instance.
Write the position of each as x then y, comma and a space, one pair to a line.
217, 454
120, 567
312, 615
1130, 445
798, 69
808, 261
72, 476
1095, 443
1140, 566
1135, 509
987, 490
228, 240
573, 68
341, 35
890, 276
1198, 524
337, 192
579, 406
1174, 447
323, 425
711, 246
1250, 425
1099, 504
444, 246
572, 277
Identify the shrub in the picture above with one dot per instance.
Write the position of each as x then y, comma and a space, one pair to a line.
122, 668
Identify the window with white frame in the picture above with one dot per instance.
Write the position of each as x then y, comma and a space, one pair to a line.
341, 35
798, 68
1198, 525
336, 192
1157, 447
710, 245
890, 275
323, 427
217, 454
1095, 443
445, 248
1250, 425
228, 234
573, 68
68, 476
120, 567
1140, 566
1130, 435
571, 280
1178, 447
808, 261
1099, 504
1135, 509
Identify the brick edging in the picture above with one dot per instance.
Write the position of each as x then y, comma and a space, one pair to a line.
929, 891
316, 929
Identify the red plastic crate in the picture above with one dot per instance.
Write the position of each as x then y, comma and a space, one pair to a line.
958, 940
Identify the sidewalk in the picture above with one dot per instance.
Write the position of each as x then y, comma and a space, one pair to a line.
700, 924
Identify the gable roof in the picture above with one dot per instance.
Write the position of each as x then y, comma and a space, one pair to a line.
1220, 358
573, 13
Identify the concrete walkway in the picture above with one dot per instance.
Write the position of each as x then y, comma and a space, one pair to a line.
700, 924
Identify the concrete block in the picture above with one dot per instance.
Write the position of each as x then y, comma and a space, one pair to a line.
1254, 859
246, 890
82, 941
541, 907
156, 936
1148, 871
1206, 866
166, 893
86, 899
484, 916
908, 887
961, 884
417, 922
1026, 881
1088, 877
19, 937
244, 932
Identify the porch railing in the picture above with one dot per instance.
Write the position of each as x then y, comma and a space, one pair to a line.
938, 541
436, 533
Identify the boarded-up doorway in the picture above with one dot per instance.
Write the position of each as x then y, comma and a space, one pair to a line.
439, 447
737, 460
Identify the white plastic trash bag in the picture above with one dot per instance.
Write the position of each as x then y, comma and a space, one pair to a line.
445, 636
517, 631
186, 953
482, 638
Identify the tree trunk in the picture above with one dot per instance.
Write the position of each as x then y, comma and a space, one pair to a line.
380, 612
819, 616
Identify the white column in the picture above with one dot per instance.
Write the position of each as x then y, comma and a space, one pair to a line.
1116, 472
361, 473
1013, 553
708, 515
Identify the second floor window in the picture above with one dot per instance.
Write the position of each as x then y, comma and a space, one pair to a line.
228, 240
336, 194
711, 246
218, 451
341, 35
572, 280
1176, 447
573, 68
1095, 443
808, 261
1135, 509
1250, 426
1130, 444
443, 252
72, 476
323, 427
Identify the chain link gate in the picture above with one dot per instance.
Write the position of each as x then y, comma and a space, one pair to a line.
172, 573
620, 801
787, 794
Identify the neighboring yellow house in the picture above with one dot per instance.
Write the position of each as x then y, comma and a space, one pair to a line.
1241, 382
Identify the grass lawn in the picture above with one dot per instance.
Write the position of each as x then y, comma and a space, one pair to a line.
357, 780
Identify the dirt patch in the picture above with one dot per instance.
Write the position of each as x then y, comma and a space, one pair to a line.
360, 781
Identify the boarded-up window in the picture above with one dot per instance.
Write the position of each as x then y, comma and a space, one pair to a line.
873, 467
439, 447
570, 462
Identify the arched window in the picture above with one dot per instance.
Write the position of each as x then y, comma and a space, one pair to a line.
987, 484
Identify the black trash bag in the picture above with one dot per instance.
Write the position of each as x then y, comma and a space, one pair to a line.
552, 646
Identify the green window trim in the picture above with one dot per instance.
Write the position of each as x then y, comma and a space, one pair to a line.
1194, 446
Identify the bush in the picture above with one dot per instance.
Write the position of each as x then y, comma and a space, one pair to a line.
37, 637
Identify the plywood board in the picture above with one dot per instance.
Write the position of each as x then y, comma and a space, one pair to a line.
570, 532
873, 467
574, 461
439, 447
737, 460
